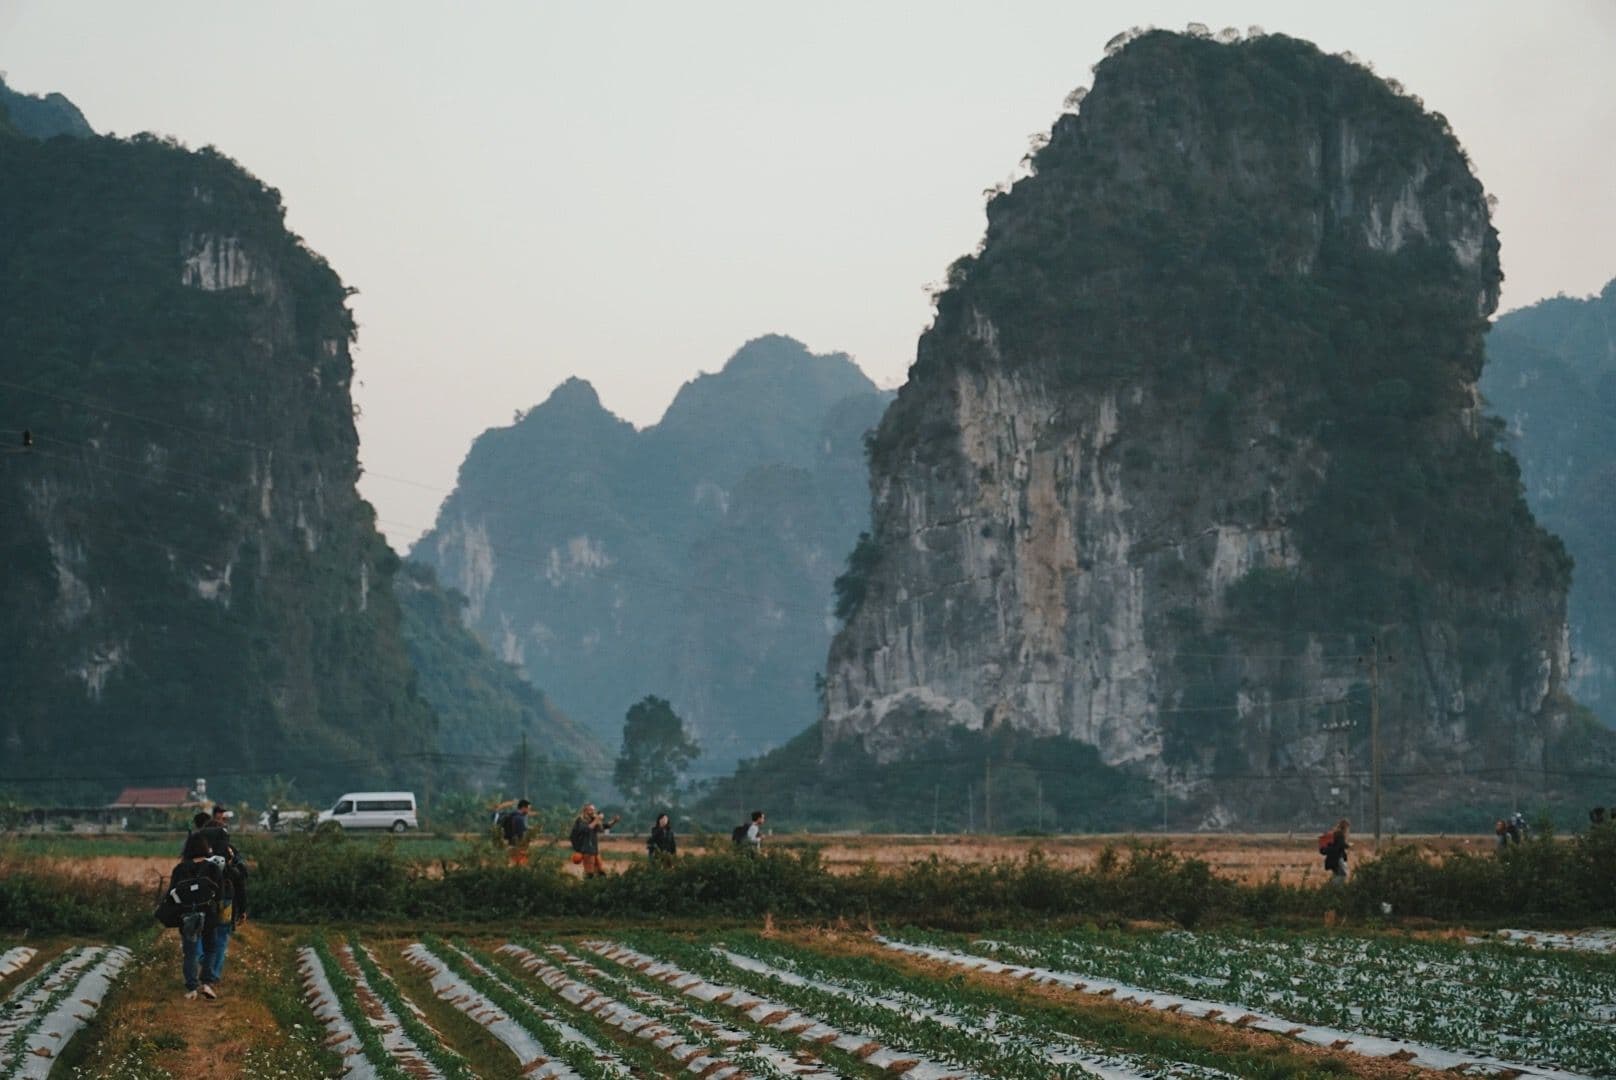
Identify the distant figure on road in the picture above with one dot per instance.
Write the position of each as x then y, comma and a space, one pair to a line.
662, 842
586, 830
513, 830
1501, 830
274, 817
1335, 853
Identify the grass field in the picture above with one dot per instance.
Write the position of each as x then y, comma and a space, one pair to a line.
617, 1000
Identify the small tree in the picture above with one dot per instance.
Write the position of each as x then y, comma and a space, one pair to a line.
655, 753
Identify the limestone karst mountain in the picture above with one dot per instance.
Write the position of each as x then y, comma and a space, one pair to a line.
692, 560
191, 584
1192, 463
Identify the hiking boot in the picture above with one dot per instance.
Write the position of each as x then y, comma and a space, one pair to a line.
207, 992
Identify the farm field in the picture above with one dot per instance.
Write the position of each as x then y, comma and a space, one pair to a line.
140, 860
621, 1000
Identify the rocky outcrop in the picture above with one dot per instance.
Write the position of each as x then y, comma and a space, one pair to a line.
1195, 435
692, 560
193, 586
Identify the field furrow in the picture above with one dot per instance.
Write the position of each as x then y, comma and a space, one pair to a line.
871, 1049
533, 1055
686, 1050
389, 1028
43, 1014
773, 1052
1368, 1045
1004, 1033
343, 1037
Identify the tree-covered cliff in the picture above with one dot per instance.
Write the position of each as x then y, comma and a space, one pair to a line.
1192, 459
192, 585
1551, 376
692, 560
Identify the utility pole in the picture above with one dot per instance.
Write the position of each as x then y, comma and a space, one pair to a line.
523, 793
987, 796
936, 792
970, 808
1040, 783
1374, 731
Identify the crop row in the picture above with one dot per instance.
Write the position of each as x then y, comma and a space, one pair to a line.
40, 1017
1221, 987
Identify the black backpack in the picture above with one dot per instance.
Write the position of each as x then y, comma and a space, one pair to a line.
737, 835
507, 826
580, 835
192, 896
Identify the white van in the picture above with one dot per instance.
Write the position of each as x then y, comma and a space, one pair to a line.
393, 810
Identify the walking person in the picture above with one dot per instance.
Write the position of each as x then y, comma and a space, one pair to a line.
662, 844
752, 842
194, 887
1335, 853
513, 828
587, 828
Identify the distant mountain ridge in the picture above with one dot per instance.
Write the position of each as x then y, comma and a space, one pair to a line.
692, 560
1551, 375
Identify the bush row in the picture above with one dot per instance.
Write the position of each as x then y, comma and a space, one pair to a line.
324, 878
328, 878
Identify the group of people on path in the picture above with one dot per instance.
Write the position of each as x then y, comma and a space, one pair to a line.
590, 825
206, 900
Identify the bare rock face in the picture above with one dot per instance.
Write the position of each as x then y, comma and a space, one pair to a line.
1195, 435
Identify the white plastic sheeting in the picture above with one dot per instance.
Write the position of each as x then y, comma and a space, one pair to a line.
693, 1056
1054, 1048
782, 1018
52, 1007
394, 1039
530, 1053
15, 959
322, 999
779, 1059
1599, 941
1428, 1057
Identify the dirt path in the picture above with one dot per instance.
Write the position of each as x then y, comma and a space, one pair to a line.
149, 1029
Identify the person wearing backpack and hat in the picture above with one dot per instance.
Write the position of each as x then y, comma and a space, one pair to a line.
513, 830
585, 837
192, 905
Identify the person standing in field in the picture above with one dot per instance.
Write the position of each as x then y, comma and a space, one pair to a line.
513, 828
662, 843
587, 828
754, 833
1335, 853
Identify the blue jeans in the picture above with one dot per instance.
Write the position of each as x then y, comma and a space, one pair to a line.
209, 950
197, 957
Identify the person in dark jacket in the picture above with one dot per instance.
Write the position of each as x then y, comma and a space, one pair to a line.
197, 930
585, 837
662, 842
1335, 853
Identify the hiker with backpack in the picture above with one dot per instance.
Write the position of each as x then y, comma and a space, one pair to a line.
748, 836
661, 844
191, 905
1333, 846
513, 830
587, 828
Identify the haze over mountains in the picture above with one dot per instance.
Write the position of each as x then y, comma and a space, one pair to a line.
692, 560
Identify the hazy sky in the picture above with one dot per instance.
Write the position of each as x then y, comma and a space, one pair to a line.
627, 192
